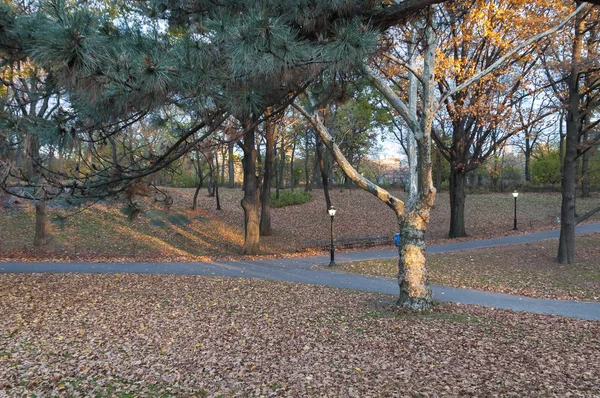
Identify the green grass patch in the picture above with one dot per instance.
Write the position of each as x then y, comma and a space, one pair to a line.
290, 198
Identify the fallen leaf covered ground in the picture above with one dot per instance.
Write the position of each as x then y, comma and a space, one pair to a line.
528, 269
103, 233
150, 335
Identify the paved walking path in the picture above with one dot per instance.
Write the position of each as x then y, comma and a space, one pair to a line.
302, 270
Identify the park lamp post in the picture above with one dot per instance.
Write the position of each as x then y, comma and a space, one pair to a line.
331, 212
515, 195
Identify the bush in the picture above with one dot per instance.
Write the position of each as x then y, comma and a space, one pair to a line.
545, 166
184, 180
290, 198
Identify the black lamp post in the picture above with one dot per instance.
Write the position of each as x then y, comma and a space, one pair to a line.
331, 212
515, 195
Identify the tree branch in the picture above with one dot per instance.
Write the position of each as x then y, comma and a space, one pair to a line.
587, 215
404, 65
409, 117
394, 203
509, 54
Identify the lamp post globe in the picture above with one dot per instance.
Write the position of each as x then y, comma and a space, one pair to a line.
515, 195
331, 212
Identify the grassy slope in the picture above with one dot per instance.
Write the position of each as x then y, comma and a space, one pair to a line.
527, 269
103, 232
156, 335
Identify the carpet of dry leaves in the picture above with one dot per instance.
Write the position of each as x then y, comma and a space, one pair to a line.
151, 335
527, 269
103, 233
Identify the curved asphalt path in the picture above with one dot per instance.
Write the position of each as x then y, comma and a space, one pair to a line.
302, 270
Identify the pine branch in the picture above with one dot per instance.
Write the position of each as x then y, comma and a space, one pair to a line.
387, 17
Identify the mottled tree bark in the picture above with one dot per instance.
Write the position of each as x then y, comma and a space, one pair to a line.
415, 292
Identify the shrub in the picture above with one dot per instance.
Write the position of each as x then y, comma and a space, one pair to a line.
290, 198
545, 167
184, 180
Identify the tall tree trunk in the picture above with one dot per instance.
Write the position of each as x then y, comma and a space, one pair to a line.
306, 168
200, 180
566, 244
265, 197
211, 174
216, 180
34, 171
528, 165
324, 176
222, 165
33, 154
502, 171
19, 151
561, 145
316, 172
475, 182
281, 167
457, 204
195, 202
217, 197
211, 183
292, 176
250, 202
230, 165
40, 238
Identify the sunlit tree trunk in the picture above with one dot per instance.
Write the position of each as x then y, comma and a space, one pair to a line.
230, 165
413, 218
